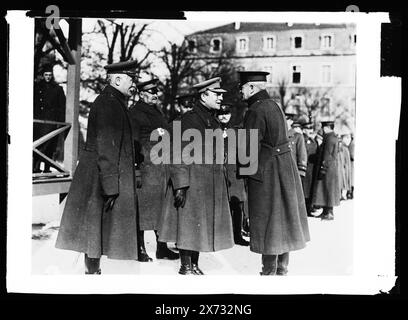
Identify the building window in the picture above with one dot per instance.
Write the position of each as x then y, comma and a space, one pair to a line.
269, 43
327, 41
326, 74
297, 42
353, 40
192, 46
242, 44
269, 76
296, 74
216, 45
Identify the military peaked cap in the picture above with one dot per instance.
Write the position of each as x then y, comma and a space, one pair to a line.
124, 67
213, 85
225, 108
252, 76
148, 85
307, 125
327, 123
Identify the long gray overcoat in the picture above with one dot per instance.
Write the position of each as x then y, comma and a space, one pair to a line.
204, 224
105, 168
328, 189
145, 119
277, 212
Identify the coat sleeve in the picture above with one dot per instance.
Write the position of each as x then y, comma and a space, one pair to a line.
301, 155
180, 172
329, 156
109, 126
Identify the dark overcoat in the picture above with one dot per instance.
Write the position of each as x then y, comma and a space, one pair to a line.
49, 104
145, 119
311, 150
105, 168
204, 224
328, 189
299, 152
277, 212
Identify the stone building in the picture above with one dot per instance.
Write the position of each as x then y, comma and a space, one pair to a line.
312, 66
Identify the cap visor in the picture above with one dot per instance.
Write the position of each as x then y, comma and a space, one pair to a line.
218, 90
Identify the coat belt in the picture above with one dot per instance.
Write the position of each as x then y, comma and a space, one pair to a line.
277, 150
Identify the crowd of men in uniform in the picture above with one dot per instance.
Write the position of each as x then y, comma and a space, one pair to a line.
119, 192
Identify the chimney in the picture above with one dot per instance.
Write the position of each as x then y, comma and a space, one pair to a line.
237, 25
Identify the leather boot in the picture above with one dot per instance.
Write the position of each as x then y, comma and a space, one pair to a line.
185, 259
194, 263
236, 212
163, 252
142, 254
92, 265
269, 265
283, 261
327, 214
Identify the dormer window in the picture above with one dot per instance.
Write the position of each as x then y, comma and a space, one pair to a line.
216, 44
297, 41
327, 41
192, 46
242, 44
269, 43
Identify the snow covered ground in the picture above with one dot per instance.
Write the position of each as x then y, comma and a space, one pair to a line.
330, 252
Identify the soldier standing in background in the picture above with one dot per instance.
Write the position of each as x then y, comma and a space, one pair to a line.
146, 117
185, 103
311, 150
236, 187
297, 144
100, 213
49, 104
328, 187
277, 212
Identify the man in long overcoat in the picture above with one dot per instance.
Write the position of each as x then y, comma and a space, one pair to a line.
350, 195
328, 187
49, 104
100, 214
146, 117
277, 213
297, 144
311, 151
202, 221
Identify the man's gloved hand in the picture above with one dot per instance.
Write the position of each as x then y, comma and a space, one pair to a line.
109, 202
180, 196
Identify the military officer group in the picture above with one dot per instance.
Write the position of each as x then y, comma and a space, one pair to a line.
118, 192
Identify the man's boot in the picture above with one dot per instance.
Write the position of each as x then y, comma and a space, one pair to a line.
92, 265
269, 265
194, 263
327, 214
142, 254
283, 261
237, 223
185, 259
163, 252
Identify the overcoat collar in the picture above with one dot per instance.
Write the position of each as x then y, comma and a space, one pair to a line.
207, 115
261, 95
116, 93
147, 108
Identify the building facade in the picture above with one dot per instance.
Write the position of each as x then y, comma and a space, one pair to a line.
312, 66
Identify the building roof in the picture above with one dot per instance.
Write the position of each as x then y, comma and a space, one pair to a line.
267, 26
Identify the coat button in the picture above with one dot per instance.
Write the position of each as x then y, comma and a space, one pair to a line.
278, 150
